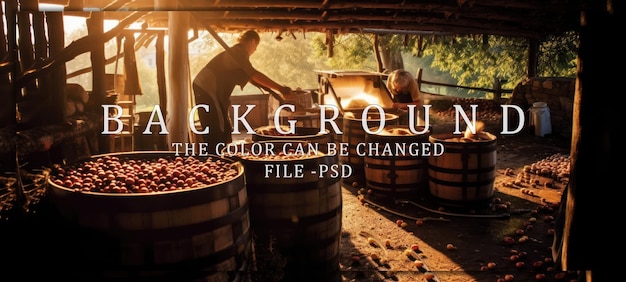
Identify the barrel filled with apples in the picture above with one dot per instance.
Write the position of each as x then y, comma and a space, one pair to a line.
397, 168
354, 133
463, 176
310, 134
153, 216
295, 206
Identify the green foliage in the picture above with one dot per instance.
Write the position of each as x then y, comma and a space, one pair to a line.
351, 51
413, 63
475, 64
558, 56
147, 80
463, 60
286, 61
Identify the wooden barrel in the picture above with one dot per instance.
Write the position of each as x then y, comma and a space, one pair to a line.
297, 214
354, 135
201, 233
308, 134
398, 169
463, 176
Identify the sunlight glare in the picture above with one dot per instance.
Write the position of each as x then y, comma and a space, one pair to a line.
360, 100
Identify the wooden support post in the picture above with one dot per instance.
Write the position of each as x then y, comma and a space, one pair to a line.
485, 43
26, 52
3, 37
41, 51
8, 90
44, 86
593, 133
58, 76
420, 46
179, 90
160, 67
95, 27
41, 42
132, 85
533, 57
418, 78
379, 63
497, 89
330, 43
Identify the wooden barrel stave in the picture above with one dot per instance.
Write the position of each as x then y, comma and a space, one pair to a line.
397, 176
301, 217
463, 176
354, 134
195, 233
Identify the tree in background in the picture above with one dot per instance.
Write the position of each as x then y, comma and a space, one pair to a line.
390, 49
288, 60
476, 61
558, 55
350, 51
472, 60
357, 51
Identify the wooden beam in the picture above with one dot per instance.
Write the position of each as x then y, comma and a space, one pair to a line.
80, 46
5, 61
95, 28
132, 86
353, 5
26, 51
112, 59
12, 67
515, 18
85, 70
533, 58
58, 76
359, 27
45, 90
116, 5
3, 36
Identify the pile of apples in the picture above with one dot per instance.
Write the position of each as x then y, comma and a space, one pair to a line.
121, 175
556, 166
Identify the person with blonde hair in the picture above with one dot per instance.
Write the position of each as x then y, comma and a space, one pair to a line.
404, 92
215, 82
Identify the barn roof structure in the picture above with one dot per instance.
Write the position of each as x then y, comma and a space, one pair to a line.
515, 18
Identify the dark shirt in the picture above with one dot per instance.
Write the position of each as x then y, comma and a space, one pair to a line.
402, 98
229, 68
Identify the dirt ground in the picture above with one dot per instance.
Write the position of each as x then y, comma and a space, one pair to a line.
508, 240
